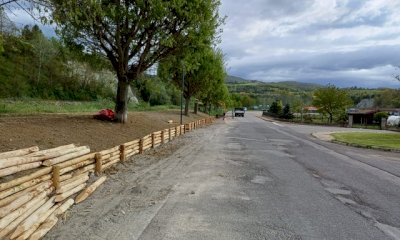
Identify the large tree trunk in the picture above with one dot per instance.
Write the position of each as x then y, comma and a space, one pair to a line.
121, 103
187, 101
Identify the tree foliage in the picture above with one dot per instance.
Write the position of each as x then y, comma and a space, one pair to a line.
202, 71
276, 107
34, 66
134, 35
331, 100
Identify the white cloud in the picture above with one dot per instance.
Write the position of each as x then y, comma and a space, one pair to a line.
342, 41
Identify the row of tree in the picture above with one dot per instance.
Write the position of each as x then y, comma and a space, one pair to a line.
178, 37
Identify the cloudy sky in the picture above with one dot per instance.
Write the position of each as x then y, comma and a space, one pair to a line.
342, 42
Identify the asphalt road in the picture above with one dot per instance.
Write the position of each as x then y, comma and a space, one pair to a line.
262, 180
247, 178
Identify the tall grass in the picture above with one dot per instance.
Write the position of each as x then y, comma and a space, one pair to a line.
34, 106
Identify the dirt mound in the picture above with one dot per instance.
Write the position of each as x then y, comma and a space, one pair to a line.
47, 131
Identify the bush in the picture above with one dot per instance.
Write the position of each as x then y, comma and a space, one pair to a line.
286, 114
379, 115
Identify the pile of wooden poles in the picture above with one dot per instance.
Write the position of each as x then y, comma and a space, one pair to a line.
31, 203
37, 186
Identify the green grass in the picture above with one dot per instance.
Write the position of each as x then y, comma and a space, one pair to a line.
31, 107
389, 141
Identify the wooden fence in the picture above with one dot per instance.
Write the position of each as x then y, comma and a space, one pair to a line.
36, 185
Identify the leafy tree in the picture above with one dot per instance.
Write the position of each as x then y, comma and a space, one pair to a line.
379, 115
216, 93
134, 35
286, 113
276, 107
202, 67
331, 100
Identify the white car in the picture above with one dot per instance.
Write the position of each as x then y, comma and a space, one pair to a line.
393, 121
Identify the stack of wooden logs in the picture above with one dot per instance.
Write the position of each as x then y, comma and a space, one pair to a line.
146, 143
30, 158
130, 148
30, 203
106, 158
37, 186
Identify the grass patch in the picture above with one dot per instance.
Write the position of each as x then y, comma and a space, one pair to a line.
33, 106
389, 141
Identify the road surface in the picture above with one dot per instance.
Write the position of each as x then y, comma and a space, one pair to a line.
245, 178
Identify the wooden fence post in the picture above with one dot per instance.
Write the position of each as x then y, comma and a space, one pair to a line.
99, 164
141, 146
162, 136
152, 140
169, 134
122, 156
56, 177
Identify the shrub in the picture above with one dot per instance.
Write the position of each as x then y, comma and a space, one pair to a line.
379, 115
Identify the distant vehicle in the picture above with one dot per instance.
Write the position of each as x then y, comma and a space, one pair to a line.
239, 112
245, 109
393, 121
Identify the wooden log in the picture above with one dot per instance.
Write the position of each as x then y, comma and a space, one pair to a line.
141, 146
153, 137
73, 178
56, 177
18, 181
42, 218
88, 169
51, 213
64, 207
112, 154
105, 161
33, 218
134, 142
79, 180
18, 202
15, 214
38, 188
76, 160
33, 205
146, 147
132, 153
66, 157
52, 150
76, 166
65, 177
89, 190
132, 148
44, 228
23, 186
20, 152
107, 151
35, 157
56, 152
169, 134
122, 156
109, 164
62, 196
99, 164
11, 170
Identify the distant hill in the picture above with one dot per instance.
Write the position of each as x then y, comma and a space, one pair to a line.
285, 84
233, 79
264, 93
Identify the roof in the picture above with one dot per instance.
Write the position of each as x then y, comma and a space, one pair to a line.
310, 108
362, 111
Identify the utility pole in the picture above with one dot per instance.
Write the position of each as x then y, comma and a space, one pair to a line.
182, 87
